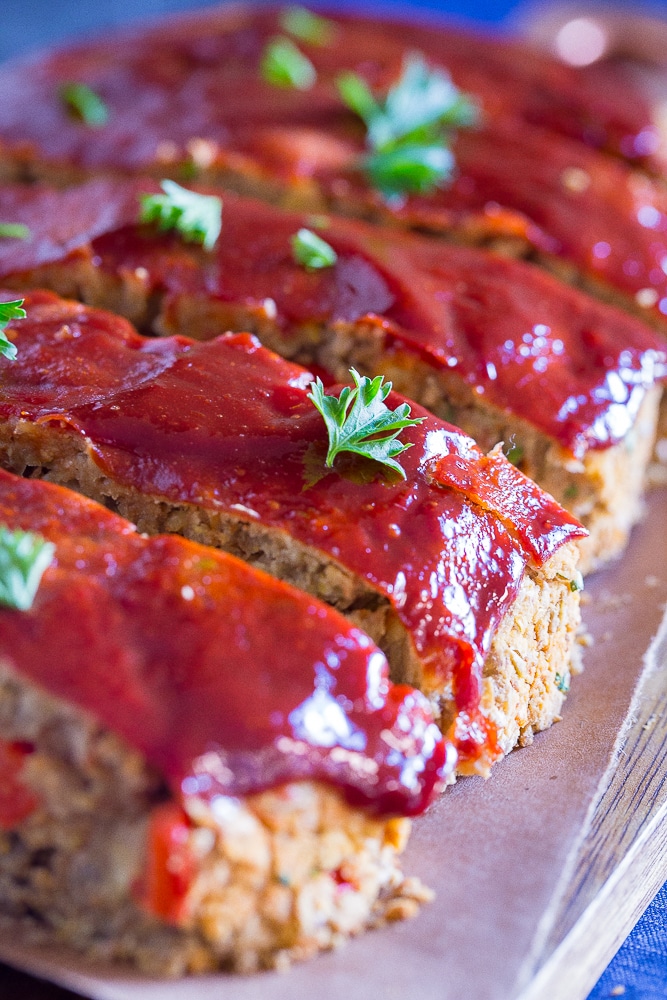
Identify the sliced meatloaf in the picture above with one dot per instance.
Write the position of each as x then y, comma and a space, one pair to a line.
220, 442
492, 345
210, 63
201, 767
192, 98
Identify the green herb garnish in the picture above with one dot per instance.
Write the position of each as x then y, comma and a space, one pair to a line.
24, 557
85, 104
8, 312
408, 132
358, 421
283, 65
421, 101
11, 310
14, 231
359, 98
197, 217
307, 26
7, 349
311, 251
414, 167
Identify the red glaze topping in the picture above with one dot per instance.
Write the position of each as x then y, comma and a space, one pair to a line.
226, 424
198, 76
202, 81
599, 105
227, 680
576, 369
496, 485
61, 221
589, 209
512, 180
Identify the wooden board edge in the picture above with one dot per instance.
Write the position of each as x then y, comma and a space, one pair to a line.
577, 963
620, 861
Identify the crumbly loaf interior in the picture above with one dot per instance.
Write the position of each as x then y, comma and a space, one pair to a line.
279, 876
534, 652
533, 648
243, 175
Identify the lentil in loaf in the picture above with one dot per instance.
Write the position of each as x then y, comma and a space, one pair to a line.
158, 806
429, 565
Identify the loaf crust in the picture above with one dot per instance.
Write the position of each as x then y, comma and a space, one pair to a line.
532, 655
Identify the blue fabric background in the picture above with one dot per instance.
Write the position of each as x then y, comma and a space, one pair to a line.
30, 24
640, 966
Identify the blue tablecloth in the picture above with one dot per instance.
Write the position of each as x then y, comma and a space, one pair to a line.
641, 964
640, 967
31, 24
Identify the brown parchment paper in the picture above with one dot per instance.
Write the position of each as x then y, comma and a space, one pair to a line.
498, 853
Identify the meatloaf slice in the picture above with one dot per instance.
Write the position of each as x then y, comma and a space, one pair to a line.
196, 759
519, 182
214, 83
492, 345
218, 441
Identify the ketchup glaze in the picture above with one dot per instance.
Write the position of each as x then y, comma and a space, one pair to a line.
228, 681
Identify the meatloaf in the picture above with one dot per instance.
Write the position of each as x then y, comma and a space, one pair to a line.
464, 571
491, 344
201, 767
212, 59
191, 98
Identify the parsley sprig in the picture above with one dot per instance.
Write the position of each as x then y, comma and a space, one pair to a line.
24, 558
284, 65
413, 167
197, 217
307, 26
8, 312
359, 421
14, 231
408, 133
312, 251
82, 102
